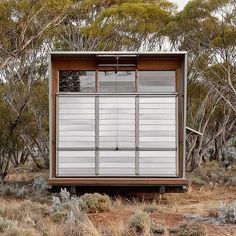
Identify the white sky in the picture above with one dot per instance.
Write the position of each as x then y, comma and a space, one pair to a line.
180, 3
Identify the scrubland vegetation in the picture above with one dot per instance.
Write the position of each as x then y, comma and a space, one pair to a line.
29, 29
205, 209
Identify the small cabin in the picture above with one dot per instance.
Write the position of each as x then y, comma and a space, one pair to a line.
117, 118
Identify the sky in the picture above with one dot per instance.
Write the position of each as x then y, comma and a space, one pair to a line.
180, 3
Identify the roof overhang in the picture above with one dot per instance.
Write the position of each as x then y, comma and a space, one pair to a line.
97, 54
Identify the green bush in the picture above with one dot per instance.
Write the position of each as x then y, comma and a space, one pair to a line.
93, 203
140, 222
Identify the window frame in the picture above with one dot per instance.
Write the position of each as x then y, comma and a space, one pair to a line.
95, 81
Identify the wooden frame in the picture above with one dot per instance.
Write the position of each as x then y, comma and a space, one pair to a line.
144, 62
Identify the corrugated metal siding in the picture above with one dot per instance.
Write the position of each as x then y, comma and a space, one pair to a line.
117, 118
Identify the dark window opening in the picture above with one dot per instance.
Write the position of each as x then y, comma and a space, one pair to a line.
77, 81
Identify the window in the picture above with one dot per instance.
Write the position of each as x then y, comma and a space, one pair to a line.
77, 81
116, 82
157, 81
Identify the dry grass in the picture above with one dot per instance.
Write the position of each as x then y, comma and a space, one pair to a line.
32, 214
34, 218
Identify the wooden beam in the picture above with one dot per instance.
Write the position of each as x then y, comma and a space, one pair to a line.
118, 181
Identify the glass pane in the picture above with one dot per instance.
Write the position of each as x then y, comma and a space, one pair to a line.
116, 82
77, 81
157, 81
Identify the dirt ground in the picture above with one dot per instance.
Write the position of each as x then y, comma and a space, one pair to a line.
171, 207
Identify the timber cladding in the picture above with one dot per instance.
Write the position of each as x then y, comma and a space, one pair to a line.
117, 118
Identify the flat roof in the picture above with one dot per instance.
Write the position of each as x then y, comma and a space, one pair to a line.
146, 54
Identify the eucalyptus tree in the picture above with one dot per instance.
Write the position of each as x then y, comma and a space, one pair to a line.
23, 22
114, 25
207, 30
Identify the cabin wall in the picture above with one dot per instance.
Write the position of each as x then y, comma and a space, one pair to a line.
82, 123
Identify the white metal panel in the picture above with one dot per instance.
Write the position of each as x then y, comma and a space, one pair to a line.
116, 171
117, 122
76, 105
76, 122
116, 127
157, 172
118, 105
76, 116
76, 171
117, 110
157, 122
112, 154
156, 127
114, 116
76, 154
156, 105
76, 133
112, 122
117, 163
114, 133
114, 145
157, 110
76, 111
157, 139
120, 100
77, 160
149, 144
152, 116
76, 144
157, 100
120, 138
157, 130
76, 129
157, 133
157, 154
76, 165
77, 139
75, 100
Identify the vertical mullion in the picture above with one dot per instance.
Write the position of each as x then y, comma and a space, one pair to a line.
97, 81
97, 126
96, 135
136, 126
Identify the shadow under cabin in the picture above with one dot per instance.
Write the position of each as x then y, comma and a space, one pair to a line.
117, 119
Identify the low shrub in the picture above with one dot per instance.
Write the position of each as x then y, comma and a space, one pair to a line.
16, 231
6, 224
187, 229
140, 222
157, 229
93, 203
228, 213
66, 208
59, 216
151, 208
40, 183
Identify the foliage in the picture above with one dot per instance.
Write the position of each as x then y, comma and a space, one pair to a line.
5, 224
96, 202
140, 222
66, 208
228, 212
150, 208
188, 229
30, 28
